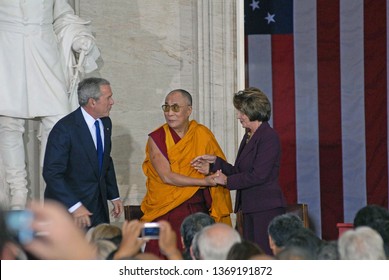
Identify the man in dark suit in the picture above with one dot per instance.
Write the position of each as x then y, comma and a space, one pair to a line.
78, 168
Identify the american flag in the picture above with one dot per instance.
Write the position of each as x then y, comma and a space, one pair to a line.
323, 64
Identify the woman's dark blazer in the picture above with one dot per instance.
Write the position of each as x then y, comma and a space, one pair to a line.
256, 171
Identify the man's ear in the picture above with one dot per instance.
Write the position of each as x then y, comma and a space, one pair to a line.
272, 245
182, 242
92, 102
189, 111
191, 253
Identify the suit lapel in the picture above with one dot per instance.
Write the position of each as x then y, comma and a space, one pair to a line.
246, 149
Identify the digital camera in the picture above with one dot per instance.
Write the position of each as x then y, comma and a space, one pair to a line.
150, 231
19, 225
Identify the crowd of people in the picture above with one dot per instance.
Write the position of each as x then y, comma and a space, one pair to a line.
58, 237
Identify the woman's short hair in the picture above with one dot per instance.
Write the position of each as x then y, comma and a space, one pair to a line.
253, 103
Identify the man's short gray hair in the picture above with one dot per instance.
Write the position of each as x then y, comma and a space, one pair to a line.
90, 88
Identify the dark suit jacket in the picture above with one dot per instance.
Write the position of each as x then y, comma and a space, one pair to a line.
256, 171
71, 168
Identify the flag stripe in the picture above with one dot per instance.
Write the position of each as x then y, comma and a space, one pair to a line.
387, 90
307, 133
284, 110
260, 67
375, 101
352, 100
329, 116
338, 96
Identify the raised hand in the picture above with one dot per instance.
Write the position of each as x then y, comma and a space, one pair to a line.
131, 243
202, 163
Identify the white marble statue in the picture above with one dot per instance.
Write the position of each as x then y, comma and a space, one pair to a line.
41, 44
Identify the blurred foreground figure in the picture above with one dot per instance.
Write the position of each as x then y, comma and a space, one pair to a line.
43, 48
58, 238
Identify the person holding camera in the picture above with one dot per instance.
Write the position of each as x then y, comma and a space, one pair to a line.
175, 189
135, 236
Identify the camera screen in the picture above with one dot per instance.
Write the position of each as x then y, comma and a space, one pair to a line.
19, 225
150, 232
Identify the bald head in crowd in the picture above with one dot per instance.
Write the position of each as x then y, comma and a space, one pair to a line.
215, 241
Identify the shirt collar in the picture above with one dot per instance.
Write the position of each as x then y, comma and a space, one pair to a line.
90, 121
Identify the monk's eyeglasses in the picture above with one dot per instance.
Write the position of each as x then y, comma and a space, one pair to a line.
175, 108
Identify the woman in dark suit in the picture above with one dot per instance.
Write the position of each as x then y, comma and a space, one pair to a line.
256, 170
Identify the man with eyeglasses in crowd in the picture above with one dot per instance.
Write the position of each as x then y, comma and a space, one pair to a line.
174, 188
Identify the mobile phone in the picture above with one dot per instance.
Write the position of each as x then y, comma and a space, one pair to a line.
19, 225
150, 231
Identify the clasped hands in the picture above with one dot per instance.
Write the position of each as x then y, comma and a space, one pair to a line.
202, 165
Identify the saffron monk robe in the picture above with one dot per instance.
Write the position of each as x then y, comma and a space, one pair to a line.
174, 188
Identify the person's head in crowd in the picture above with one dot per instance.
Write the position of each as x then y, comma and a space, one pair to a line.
104, 248
376, 217
280, 230
262, 257
244, 250
215, 241
293, 252
194, 247
370, 214
362, 243
328, 250
107, 232
191, 225
305, 239
382, 228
